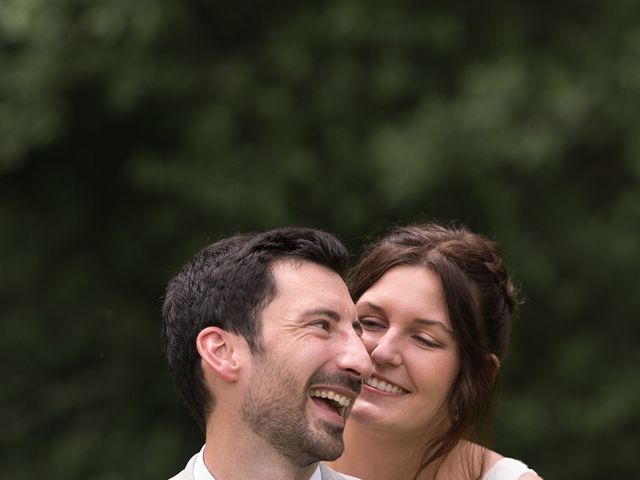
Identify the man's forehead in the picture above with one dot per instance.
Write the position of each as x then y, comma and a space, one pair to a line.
312, 287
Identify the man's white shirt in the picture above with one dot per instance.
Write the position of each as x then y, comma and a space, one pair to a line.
201, 472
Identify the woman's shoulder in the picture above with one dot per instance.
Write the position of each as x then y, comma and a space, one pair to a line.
488, 464
505, 468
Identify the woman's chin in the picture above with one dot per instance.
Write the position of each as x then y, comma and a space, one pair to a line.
369, 414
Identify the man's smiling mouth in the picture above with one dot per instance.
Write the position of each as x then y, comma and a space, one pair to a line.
334, 400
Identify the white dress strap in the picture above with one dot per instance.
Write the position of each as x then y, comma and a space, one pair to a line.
507, 469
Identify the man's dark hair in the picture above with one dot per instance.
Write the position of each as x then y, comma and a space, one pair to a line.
227, 285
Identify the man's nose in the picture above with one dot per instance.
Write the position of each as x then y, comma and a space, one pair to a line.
354, 357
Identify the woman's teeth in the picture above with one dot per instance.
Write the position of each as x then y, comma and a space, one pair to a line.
384, 386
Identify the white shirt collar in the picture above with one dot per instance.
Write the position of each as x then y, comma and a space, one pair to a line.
201, 472
316, 475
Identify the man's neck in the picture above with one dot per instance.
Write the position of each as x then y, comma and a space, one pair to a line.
234, 452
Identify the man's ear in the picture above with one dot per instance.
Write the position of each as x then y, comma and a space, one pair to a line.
219, 350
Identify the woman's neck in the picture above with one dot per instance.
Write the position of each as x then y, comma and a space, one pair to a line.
378, 455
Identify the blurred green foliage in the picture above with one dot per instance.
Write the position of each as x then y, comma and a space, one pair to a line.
133, 133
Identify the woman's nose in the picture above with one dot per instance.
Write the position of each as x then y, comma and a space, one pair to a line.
386, 352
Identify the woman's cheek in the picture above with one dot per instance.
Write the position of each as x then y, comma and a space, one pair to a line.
370, 341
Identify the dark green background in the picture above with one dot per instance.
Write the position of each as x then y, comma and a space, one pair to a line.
132, 133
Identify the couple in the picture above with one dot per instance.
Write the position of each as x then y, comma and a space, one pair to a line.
270, 353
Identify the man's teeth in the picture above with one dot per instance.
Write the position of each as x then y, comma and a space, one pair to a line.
384, 386
331, 395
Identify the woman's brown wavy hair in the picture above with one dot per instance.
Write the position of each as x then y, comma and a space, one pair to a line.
481, 300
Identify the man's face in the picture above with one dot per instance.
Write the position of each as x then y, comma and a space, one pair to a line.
304, 383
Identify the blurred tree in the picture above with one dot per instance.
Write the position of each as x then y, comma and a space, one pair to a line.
133, 133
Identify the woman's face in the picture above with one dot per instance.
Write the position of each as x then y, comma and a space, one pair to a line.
408, 335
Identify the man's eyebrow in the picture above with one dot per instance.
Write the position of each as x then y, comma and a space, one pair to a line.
326, 312
423, 321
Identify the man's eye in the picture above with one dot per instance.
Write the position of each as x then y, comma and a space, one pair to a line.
323, 324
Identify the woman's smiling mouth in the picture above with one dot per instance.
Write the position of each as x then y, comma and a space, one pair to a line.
384, 386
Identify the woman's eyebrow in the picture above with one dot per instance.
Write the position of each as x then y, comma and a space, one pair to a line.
373, 306
423, 321
436, 323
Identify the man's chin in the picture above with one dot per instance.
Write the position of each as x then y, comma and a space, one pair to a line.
323, 440
319, 447
332, 442
334, 454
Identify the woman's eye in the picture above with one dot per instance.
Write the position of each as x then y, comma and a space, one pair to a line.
371, 324
425, 342
357, 327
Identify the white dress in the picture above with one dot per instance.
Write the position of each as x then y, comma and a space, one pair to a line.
507, 469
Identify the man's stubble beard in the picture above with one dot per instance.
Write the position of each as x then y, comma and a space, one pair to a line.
274, 407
